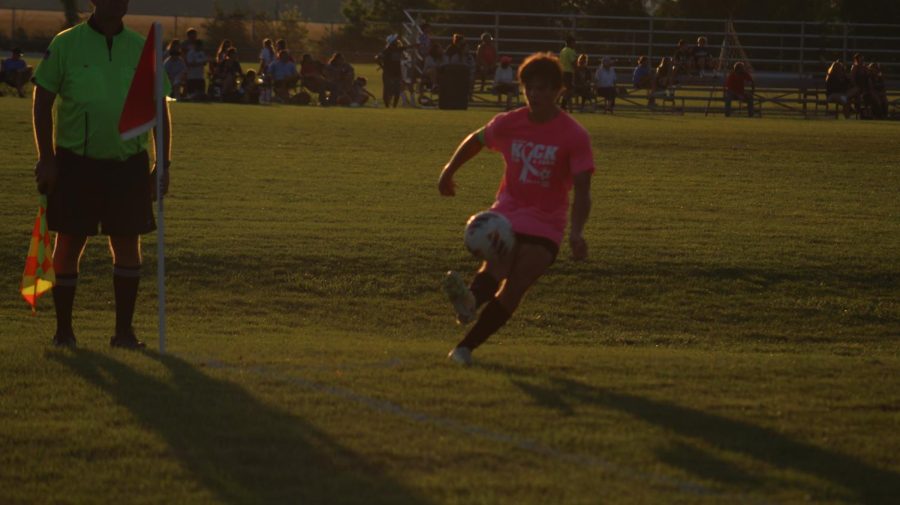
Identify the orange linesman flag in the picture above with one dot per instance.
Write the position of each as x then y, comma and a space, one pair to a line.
39, 276
139, 114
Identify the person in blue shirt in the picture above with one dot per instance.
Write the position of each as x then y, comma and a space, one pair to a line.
283, 73
641, 78
15, 72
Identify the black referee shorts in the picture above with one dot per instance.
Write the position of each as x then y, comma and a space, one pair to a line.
114, 196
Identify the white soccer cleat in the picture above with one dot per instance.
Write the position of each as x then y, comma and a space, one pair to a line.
461, 355
460, 297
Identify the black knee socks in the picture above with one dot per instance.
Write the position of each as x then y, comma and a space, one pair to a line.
63, 299
491, 319
125, 285
484, 287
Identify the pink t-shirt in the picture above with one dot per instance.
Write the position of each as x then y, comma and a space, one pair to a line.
541, 160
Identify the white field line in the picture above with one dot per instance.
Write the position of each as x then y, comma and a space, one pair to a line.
479, 432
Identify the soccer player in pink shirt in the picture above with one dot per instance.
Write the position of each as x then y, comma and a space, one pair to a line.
546, 153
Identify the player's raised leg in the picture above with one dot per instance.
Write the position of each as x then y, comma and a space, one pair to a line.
530, 261
466, 300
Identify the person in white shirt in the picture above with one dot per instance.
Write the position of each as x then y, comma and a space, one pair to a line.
176, 69
605, 82
505, 81
266, 56
196, 61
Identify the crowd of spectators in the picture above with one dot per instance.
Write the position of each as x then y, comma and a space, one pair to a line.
861, 90
582, 85
195, 76
415, 69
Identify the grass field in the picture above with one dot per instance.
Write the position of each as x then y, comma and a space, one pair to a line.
733, 337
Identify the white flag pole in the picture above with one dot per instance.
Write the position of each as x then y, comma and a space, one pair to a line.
159, 94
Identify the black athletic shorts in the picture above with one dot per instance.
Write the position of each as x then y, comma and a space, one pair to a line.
546, 243
116, 195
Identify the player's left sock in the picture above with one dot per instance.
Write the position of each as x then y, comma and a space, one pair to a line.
125, 285
484, 287
491, 319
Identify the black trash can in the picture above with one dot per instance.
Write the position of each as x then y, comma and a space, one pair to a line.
453, 87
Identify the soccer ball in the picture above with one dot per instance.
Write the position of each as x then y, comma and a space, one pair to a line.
489, 236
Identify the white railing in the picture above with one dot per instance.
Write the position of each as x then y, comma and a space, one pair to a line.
792, 47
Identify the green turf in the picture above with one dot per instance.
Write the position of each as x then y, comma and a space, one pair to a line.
734, 336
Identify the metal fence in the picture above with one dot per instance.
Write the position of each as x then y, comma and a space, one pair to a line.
801, 48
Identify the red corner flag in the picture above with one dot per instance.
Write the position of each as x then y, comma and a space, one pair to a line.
139, 113
38, 276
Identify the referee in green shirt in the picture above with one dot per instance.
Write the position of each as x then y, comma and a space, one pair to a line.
567, 59
95, 181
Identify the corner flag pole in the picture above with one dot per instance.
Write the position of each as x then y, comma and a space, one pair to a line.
159, 139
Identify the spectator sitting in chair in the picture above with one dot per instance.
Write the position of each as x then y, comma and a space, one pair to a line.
229, 73
457, 50
879, 94
281, 45
339, 76
864, 97
664, 75
15, 72
485, 58
837, 87
701, 56
734, 89
311, 74
283, 73
250, 89
433, 62
505, 81
605, 83
661, 80
642, 77
582, 80
221, 54
358, 93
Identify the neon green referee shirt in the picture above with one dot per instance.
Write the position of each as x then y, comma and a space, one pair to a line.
90, 76
567, 59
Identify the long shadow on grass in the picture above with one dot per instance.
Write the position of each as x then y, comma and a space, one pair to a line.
239, 448
867, 483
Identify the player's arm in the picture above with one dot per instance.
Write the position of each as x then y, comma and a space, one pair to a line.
467, 150
45, 171
581, 209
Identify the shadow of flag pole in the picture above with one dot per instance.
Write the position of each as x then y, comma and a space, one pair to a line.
143, 110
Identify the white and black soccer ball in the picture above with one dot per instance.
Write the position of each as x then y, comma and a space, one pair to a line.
489, 236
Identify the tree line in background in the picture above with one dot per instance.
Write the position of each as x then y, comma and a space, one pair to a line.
866, 11
367, 21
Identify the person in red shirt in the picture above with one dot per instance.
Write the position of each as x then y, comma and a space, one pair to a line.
486, 58
734, 88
